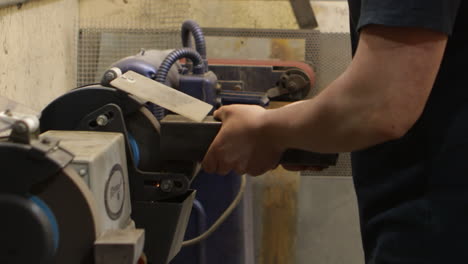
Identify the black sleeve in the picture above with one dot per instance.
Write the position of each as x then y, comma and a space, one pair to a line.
438, 15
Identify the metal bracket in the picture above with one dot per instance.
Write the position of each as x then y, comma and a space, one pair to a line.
24, 128
304, 13
183, 139
145, 186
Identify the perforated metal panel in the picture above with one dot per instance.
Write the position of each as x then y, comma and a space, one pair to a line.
152, 24
156, 25
328, 53
334, 56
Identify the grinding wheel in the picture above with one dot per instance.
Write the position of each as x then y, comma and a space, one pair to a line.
74, 207
68, 111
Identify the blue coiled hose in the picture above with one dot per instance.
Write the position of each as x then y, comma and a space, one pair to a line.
173, 57
166, 65
190, 27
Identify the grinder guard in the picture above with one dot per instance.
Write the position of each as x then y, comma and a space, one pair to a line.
163, 213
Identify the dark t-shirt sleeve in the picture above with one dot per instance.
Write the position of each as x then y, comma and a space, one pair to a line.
438, 15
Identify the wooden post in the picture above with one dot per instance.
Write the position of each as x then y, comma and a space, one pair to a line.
279, 201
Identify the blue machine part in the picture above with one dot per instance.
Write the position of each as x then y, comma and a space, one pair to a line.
137, 65
202, 87
50, 215
135, 149
146, 63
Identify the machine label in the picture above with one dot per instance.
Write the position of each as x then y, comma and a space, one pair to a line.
115, 192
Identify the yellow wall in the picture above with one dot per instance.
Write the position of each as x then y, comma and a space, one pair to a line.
267, 14
37, 50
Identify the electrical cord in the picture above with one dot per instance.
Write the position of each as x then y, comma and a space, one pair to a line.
222, 218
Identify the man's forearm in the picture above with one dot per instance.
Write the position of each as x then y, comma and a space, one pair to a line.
378, 98
328, 123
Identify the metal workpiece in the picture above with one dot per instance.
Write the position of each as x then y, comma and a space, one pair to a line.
157, 93
183, 139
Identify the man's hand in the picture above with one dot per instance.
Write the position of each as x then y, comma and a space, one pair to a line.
244, 144
378, 98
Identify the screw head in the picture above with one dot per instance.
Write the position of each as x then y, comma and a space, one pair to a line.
102, 120
110, 75
166, 185
82, 172
292, 85
20, 127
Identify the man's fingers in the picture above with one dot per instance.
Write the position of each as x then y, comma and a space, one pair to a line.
209, 163
220, 113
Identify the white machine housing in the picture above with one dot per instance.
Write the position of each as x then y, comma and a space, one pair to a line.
100, 160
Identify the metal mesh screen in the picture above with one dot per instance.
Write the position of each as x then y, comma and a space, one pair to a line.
334, 57
152, 24
328, 53
155, 24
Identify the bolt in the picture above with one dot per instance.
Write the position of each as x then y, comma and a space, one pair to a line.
20, 127
102, 120
166, 185
82, 172
238, 87
292, 85
110, 75
45, 141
